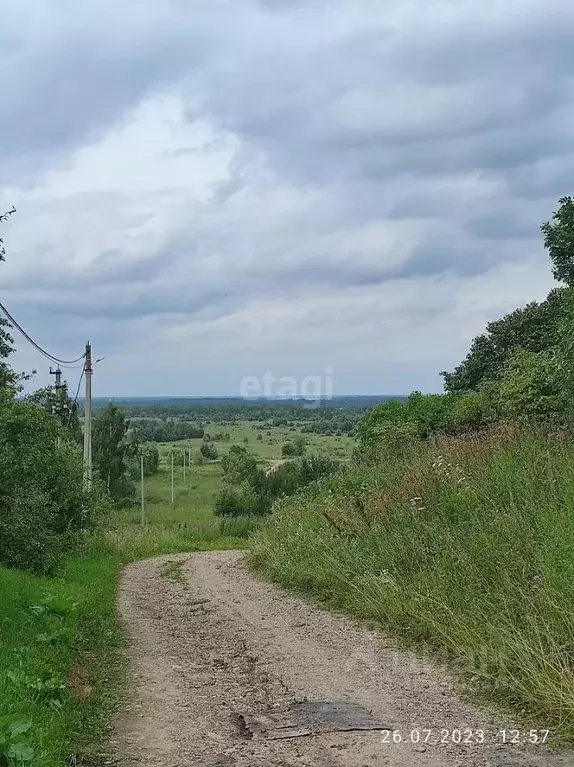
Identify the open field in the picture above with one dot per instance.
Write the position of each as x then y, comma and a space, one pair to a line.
269, 446
194, 496
188, 524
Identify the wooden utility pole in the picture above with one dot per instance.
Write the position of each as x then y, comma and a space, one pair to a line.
172, 475
142, 487
184, 460
88, 419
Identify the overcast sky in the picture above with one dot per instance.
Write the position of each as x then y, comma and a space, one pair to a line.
214, 189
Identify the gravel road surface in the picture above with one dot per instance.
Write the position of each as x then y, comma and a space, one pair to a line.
226, 670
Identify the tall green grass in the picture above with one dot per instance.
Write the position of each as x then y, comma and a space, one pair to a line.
467, 547
58, 640
134, 543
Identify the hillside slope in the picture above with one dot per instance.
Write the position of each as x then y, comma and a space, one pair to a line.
464, 546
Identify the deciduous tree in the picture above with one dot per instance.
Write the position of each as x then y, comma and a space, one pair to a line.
559, 240
534, 328
111, 450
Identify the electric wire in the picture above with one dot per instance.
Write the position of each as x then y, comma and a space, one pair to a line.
77, 395
46, 354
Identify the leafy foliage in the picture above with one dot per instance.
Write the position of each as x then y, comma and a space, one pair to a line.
559, 240
519, 370
420, 416
529, 390
111, 450
257, 490
208, 451
238, 465
236, 502
8, 379
42, 504
68, 417
150, 454
153, 430
535, 328
15, 740
297, 447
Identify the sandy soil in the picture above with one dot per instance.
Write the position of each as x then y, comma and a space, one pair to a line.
221, 665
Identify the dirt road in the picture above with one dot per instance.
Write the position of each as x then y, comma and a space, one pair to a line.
229, 671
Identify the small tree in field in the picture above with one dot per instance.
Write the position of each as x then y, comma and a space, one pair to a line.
208, 451
111, 450
198, 458
300, 445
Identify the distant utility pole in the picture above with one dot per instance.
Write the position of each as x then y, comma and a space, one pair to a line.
172, 475
142, 487
184, 460
88, 419
57, 401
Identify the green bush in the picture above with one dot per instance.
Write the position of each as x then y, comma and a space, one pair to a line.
238, 465
208, 451
529, 389
42, 504
234, 502
259, 490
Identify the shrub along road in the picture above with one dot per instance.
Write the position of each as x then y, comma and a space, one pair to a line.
225, 669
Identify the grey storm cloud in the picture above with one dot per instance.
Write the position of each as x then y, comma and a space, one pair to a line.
351, 146
70, 72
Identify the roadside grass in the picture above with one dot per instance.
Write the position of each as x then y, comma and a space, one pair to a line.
187, 524
172, 570
59, 640
135, 543
465, 549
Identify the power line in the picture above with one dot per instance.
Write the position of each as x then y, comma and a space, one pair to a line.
78, 389
77, 395
34, 344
